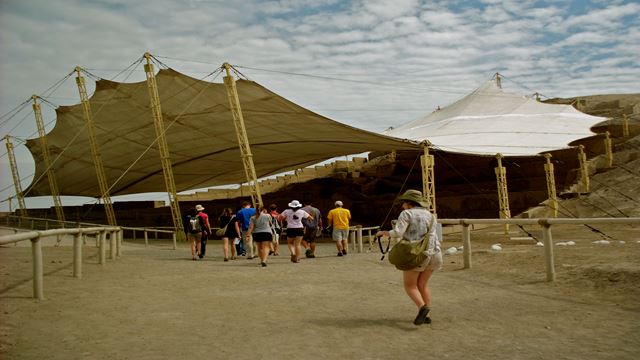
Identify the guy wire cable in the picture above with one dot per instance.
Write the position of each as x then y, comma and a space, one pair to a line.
594, 206
71, 141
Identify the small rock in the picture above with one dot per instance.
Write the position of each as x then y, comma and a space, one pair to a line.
539, 243
571, 243
548, 327
622, 242
496, 247
561, 244
601, 242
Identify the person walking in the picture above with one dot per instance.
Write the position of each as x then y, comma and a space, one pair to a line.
277, 229
205, 233
227, 220
311, 227
414, 223
244, 218
338, 218
260, 229
194, 226
295, 230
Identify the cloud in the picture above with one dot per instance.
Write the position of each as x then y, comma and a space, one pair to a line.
403, 58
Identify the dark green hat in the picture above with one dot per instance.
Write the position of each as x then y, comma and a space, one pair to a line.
415, 196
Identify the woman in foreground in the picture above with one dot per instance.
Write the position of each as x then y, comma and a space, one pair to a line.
414, 222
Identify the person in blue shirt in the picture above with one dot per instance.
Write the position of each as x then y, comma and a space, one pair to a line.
244, 219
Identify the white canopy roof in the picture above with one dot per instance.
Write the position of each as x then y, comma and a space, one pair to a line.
490, 121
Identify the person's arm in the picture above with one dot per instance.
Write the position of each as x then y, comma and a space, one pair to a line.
399, 229
237, 226
251, 226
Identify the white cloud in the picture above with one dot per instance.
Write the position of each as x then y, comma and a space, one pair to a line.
410, 57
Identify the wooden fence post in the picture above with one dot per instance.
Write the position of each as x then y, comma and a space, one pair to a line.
466, 245
548, 250
36, 251
77, 255
102, 241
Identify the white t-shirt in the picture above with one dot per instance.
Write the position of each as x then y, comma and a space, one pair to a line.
294, 218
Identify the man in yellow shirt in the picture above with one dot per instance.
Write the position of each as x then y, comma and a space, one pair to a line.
339, 219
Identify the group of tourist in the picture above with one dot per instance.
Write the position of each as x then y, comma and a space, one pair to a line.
301, 224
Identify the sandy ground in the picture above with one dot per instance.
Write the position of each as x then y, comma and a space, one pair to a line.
155, 303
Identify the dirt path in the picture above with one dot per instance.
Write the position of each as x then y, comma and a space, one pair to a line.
155, 303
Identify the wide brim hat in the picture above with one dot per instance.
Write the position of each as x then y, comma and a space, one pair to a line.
199, 207
295, 204
415, 196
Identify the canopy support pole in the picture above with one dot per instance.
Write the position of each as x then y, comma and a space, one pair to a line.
53, 184
163, 148
428, 178
608, 149
551, 185
584, 173
243, 139
625, 126
503, 192
16, 176
95, 151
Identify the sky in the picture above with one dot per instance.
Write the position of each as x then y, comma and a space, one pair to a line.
368, 64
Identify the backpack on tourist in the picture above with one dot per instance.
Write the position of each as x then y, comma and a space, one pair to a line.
194, 224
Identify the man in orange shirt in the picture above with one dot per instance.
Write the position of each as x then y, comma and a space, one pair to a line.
339, 218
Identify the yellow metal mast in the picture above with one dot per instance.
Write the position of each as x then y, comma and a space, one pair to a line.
584, 173
16, 176
608, 149
95, 151
163, 148
625, 126
428, 178
551, 185
53, 184
243, 139
503, 192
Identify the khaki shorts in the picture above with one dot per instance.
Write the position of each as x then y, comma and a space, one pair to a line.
340, 235
433, 263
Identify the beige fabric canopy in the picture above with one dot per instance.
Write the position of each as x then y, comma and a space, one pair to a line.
200, 135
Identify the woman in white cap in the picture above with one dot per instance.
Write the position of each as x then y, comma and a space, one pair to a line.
414, 222
295, 229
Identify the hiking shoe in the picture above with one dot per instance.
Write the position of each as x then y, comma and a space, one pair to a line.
311, 256
421, 318
309, 253
293, 258
226, 259
340, 253
344, 252
263, 264
427, 320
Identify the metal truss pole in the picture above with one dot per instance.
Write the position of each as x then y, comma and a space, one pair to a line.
503, 192
53, 184
16, 177
584, 172
625, 126
243, 139
95, 151
163, 148
428, 178
608, 149
551, 185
